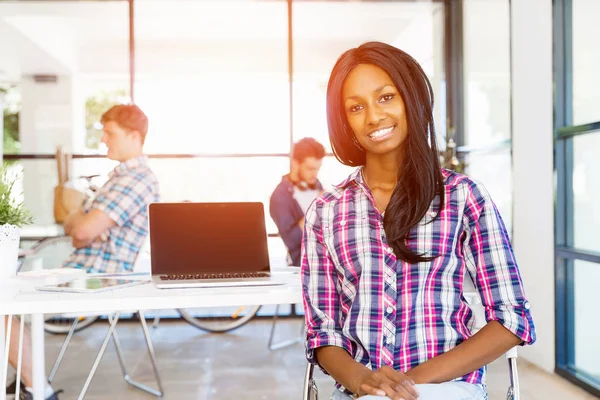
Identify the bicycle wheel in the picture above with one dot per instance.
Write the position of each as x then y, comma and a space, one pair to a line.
219, 319
58, 324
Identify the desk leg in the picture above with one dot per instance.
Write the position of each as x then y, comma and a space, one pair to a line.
38, 356
3, 366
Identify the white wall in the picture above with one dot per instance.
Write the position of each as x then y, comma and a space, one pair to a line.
532, 110
487, 86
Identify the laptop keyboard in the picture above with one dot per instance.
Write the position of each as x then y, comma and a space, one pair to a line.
238, 275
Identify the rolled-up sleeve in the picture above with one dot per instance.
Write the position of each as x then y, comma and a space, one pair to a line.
491, 259
320, 290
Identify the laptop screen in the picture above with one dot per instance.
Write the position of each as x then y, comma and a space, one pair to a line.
193, 238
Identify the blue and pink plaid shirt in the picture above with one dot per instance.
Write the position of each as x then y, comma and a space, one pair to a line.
384, 311
124, 198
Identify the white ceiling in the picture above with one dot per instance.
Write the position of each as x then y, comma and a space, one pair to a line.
196, 37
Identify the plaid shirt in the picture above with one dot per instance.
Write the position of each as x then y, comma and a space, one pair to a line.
124, 198
384, 311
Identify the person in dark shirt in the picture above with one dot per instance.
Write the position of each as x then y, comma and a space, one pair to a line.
296, 191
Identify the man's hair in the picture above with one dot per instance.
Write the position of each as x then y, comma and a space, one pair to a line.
128, 116
307, 147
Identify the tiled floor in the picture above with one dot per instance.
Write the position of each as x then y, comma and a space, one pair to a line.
238, 365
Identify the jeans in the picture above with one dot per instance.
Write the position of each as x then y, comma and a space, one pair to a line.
438, 391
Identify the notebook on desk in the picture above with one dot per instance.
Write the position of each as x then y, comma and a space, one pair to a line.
209, 245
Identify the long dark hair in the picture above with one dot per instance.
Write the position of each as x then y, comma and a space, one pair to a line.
420, 177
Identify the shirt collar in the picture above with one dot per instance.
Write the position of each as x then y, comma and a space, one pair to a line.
132, 163
356, 176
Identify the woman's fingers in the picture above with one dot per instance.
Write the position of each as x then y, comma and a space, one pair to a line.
388, 382
409, 385
397, 392
400, 379
368, 389
393, 375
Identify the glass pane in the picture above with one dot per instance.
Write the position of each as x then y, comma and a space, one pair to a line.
586, 191
486, 64
494, 170
321, 36
194, 179
63, 64
586, 298
586, 61
208, 179
229, 179
35, 187
211, 78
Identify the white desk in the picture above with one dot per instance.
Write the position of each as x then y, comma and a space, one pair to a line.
18, 296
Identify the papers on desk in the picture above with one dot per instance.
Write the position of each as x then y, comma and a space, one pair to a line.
50, 276
69, 273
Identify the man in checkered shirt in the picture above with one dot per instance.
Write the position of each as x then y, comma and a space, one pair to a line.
109, 230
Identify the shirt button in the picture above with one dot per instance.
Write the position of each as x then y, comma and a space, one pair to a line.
527, 305
343, 222
389, 250
388, 341
389, 310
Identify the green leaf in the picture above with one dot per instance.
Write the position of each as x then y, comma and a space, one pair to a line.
11, 211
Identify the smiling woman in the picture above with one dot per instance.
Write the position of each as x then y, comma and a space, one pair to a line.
365, 98
386, 252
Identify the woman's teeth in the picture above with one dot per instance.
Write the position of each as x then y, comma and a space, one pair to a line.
380, 132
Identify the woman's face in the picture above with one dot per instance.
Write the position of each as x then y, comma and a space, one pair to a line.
374, 109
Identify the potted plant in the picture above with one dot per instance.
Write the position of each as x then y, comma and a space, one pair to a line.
13, 216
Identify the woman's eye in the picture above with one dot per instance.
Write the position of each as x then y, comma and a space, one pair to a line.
387, 97
355, 108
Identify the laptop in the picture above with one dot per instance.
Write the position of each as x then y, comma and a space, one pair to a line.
209, 245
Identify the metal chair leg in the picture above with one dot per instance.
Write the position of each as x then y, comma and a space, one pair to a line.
310, 387
126, 376
283, 344
514, 391
111, 329
63, 349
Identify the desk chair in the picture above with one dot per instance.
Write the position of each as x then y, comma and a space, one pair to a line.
311, 392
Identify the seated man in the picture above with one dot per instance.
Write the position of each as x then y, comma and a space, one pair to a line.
295, 193
109, 231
